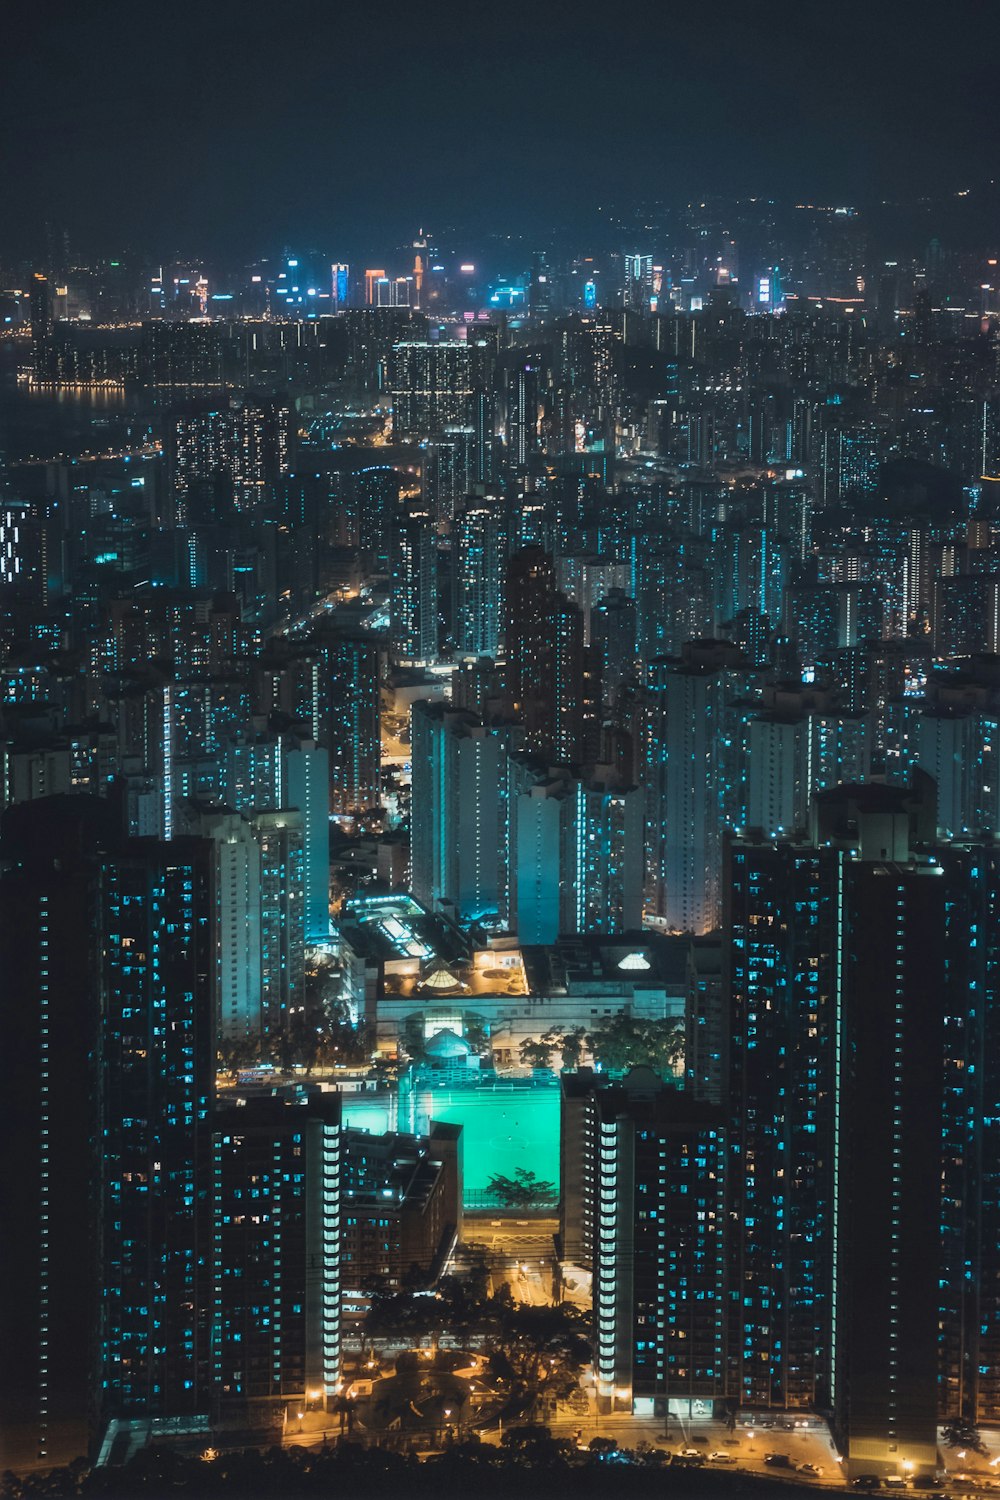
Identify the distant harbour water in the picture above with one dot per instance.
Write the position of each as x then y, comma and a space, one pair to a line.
41, 424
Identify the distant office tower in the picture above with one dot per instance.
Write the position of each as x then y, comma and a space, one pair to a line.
643, 1169
863, 989
372, 279
431, 387
688, 782
352, 721
575, 852
222, 455
638, 282
413, 599
478, 576
276, 1206
307, 788
40, 308
458, 820
393, 291
540, 294
340, 286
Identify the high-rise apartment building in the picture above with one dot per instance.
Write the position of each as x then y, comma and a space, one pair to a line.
431, 387
478, 576
643, 1170
307, 789
862, 981
688, 782
223, 455
276, 1210
413, 600
575, 851
458, 824
351, 720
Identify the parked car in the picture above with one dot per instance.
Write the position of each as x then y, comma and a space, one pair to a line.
815, 1470
721, 1458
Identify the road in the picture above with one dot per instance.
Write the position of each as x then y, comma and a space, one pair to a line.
518, 1251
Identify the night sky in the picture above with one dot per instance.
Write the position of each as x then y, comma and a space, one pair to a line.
234, 125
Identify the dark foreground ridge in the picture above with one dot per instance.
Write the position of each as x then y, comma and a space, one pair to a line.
352, 1472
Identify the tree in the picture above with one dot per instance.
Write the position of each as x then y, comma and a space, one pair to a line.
569, 1043
240, 1053
477, 1034
959, 1432
540, 1350
523, 1190
621, 1042
536, 1054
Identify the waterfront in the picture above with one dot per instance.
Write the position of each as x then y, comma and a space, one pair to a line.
43, 424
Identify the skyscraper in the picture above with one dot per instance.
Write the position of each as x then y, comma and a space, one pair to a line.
414, 593
575, 860
351, 721
50, 1008
307, 788
159, 1073
686, 782
643, 1207
478, 576
276, 1207
431, 388
860, 977
458, 823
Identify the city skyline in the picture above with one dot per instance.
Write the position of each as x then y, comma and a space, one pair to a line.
499, 750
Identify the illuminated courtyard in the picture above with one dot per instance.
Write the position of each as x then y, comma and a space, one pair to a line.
503, 1127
